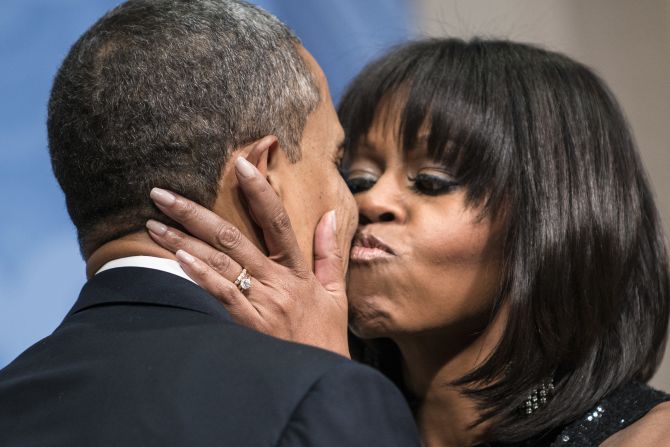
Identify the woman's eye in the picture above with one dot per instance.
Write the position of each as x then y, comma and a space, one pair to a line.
432, 185
358, 184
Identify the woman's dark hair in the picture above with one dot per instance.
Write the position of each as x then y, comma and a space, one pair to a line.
539, 139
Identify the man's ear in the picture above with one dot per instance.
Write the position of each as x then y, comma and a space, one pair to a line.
262, 152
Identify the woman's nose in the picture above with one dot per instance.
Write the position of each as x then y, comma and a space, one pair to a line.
379, 204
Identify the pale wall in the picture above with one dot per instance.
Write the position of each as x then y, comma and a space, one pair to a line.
627, 42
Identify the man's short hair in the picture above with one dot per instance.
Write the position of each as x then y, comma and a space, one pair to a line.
158, 93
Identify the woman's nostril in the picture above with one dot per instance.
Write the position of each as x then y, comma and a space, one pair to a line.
386, 217
366, 218
363, 219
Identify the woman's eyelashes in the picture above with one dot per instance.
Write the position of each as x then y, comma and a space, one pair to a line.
432, 184
360, 182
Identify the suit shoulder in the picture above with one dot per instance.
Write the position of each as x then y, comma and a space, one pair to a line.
352, 405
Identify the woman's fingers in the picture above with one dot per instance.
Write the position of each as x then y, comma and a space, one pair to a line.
211, 228
328, 261
174, 240
269, 213
225, 291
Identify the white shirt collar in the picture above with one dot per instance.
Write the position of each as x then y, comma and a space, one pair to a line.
149, 262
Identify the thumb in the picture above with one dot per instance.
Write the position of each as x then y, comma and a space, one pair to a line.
328, 262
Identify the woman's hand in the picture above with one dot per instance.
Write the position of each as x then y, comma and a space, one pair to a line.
286, 299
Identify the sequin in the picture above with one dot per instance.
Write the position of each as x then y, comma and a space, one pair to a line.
615, 412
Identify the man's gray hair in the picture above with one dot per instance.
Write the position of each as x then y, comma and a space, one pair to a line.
158, 93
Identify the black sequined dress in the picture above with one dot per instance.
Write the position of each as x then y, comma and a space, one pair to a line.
619, 409
615, 412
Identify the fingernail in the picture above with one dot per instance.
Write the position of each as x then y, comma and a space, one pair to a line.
185, 257
156, 227
333, 220
162, 197
245, 168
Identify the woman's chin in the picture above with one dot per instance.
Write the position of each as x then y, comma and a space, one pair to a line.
365, 330
367, 321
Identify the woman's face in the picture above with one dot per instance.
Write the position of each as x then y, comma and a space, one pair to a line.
421, 261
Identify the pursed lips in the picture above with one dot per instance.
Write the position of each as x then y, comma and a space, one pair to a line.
368, 248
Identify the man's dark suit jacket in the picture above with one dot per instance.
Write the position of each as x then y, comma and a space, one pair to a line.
146, 358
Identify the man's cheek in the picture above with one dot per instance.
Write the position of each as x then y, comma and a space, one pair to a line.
347, 215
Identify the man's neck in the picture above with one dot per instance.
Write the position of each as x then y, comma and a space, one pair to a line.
228, 205
137, 244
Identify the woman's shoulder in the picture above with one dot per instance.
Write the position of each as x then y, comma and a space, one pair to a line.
652, 429
631, 411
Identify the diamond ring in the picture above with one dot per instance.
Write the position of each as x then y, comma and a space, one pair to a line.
243, 281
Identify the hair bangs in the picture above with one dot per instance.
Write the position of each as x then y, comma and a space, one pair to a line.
432, 99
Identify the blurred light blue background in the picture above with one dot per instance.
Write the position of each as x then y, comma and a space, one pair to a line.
41, 271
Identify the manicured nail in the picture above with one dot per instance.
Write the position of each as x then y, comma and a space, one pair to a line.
185, 257
332, 217
162, 197
245, 168
156, 227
